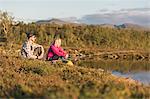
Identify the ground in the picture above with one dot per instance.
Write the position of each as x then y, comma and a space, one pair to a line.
41, 79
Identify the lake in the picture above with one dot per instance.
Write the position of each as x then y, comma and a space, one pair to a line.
141, 76
137, 70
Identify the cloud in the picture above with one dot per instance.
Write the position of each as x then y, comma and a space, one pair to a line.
139, 16
103, 10
136, 9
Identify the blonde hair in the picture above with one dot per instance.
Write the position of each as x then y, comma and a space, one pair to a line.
57, 42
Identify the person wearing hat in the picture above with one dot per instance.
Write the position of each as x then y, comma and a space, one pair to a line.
30, 49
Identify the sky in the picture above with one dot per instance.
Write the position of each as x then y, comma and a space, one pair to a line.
45, 9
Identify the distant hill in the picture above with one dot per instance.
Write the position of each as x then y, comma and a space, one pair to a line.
51, 21
126, 25
77, 22
132, 26
107, 25
56, 21
71, 20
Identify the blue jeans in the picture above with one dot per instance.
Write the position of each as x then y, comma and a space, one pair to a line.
56, 57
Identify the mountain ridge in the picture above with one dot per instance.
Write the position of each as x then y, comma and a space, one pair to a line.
74, 21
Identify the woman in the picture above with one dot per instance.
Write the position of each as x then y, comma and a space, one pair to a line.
56, 51
30, 49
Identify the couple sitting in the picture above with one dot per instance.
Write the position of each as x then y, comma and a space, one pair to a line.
31, 50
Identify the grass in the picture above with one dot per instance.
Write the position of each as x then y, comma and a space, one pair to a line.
21, 78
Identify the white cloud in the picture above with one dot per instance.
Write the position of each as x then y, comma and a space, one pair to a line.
139, 16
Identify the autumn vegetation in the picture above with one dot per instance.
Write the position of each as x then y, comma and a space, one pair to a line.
22, 78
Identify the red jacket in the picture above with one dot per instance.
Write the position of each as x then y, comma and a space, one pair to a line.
55, 51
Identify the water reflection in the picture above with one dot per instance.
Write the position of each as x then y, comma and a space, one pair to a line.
137, 70
121, 66
143, 76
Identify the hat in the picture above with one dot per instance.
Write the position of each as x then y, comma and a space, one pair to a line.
30, 35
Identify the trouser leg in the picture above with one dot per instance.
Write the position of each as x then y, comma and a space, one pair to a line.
37, 51
55, 57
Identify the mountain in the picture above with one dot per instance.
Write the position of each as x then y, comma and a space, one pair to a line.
71, 20
52, 21
75, 21
59, 21
132, 26
107, 25
125, 25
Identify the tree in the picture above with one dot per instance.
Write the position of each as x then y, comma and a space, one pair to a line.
6, 22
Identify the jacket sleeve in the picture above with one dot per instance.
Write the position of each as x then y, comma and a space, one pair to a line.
61, 50
57, 51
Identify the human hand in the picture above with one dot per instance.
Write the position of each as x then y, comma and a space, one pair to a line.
66, 56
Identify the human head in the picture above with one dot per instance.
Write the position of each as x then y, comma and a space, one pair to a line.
57, 42
31, 37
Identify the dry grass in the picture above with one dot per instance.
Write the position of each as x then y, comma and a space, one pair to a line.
36, 78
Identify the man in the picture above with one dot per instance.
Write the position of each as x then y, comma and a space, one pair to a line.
30, 49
